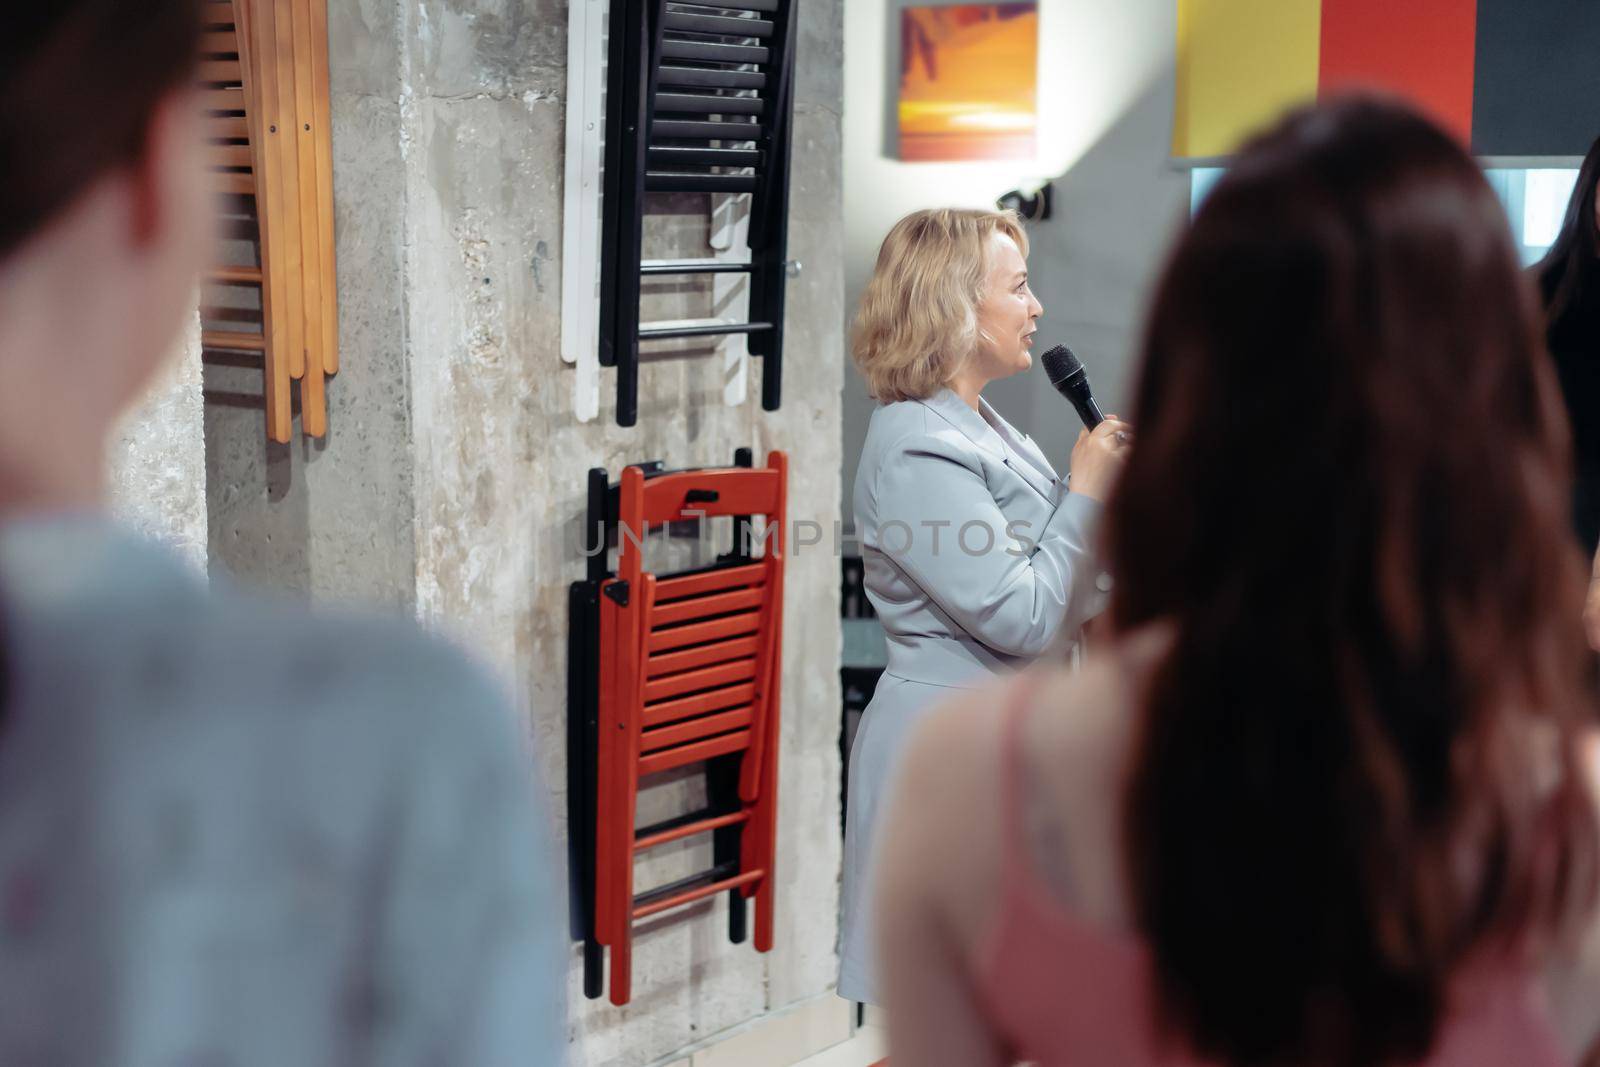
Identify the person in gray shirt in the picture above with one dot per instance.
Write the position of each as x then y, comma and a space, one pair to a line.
232, 831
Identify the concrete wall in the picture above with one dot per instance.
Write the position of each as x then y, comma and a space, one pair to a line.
333, 518
157, 475
1105, 111
452, 479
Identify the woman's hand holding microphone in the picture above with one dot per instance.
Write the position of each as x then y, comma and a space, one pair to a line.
1098, 457
1099, 454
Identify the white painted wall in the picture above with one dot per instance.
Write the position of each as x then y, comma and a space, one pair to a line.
1105, 101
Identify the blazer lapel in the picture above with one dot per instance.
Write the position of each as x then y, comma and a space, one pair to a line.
1016, 443
1032, 476
1028, 445
1052, 489
950, 407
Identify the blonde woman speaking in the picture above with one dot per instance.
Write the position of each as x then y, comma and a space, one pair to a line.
977, 556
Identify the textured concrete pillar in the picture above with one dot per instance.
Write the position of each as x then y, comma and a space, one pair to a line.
157, 475
500, 462
452, 481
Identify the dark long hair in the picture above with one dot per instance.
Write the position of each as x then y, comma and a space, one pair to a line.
1347, 506
1569, 273
79, 82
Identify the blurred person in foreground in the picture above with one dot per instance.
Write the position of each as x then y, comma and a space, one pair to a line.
231, 832
1329, 796
1569, 281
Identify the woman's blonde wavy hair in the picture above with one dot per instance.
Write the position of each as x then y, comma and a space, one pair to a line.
918, 319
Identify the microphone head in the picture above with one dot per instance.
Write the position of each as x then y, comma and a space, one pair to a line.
1060, 365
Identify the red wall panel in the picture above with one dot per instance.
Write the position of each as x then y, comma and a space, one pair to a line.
1420, 49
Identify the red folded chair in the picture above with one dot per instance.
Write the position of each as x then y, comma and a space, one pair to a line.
689, 672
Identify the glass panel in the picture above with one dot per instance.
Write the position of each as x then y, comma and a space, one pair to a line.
1201, 179
1535, 200
1546, 205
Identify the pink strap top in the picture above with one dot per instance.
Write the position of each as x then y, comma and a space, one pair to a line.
1066, 992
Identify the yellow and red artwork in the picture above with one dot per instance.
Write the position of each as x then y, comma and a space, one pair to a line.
1507, 77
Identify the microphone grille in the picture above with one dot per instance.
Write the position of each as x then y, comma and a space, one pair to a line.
1060, 364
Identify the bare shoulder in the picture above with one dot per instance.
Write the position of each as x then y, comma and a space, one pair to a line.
1081, 718
948, 787
1081, 711
1076, 728
943, 846
950, 815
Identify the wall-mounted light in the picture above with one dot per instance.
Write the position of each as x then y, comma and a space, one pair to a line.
1033, 207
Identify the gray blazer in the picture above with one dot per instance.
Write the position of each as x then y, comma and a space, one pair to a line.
977, 557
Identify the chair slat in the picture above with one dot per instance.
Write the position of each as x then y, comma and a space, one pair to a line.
689, 829
698, 632
233, 342
693, 729
689, 896
222, 100
709, 104
740, 670
706, 606
231, 182
220, 70
218, 14
226, 128
709, 582
235, 275
726, 132
701, 656
717, 24
712, 51
228, 155
708, 78
741, 5
672, 710
700, 751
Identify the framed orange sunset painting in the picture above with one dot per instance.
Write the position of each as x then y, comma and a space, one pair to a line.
969, 81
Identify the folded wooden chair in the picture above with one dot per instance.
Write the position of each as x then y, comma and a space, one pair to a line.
264, 72
687, 670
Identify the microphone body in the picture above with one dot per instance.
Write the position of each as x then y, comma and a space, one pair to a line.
1066, 373
1088, 410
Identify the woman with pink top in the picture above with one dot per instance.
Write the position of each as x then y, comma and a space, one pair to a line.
1328, 796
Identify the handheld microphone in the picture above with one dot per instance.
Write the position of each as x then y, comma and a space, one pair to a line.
1066, 373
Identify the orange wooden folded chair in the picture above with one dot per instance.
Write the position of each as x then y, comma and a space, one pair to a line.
686, 670
264, 73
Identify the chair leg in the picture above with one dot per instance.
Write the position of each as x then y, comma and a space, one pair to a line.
765, 816
594, 969
722, 790
622, 968
738, 917
765, 903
